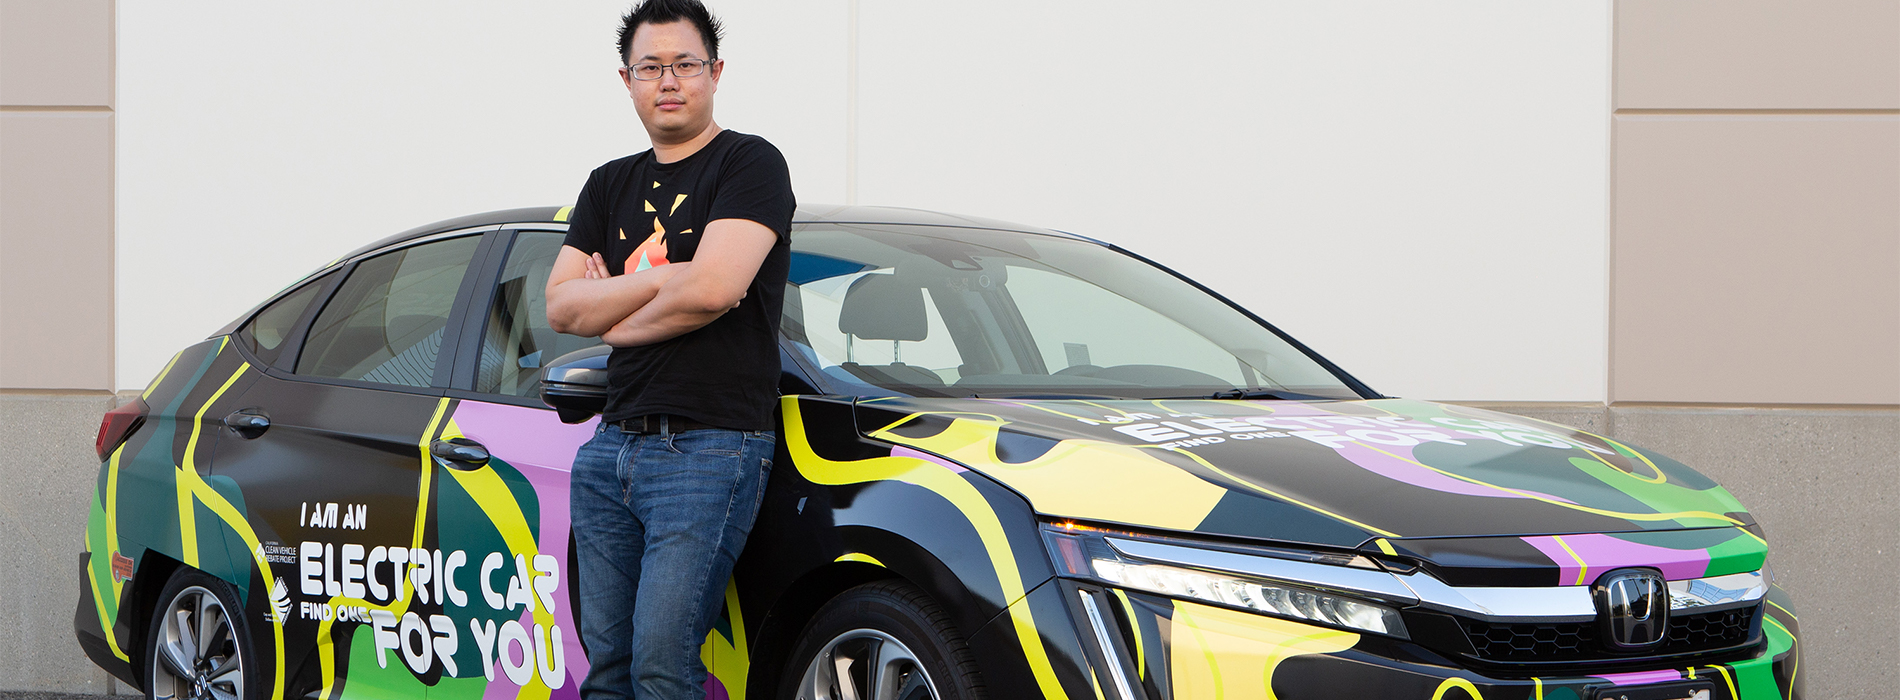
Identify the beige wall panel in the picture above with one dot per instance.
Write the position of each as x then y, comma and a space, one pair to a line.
1742, 54
56, 250
56, 52
1756, 259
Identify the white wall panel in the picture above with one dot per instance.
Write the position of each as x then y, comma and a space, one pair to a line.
258, 141
1415, 190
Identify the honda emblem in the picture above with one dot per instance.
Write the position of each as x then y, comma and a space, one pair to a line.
1632, 608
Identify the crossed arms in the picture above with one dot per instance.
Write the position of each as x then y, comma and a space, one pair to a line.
662, 302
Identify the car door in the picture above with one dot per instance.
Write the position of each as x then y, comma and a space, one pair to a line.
331, 449
523, 489
505, 345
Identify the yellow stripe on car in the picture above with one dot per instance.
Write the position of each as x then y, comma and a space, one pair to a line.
961, 494
1583, 567
187, 515
111, 531
1232, 655
1778, 607
1464, 685
192, 489
326, 641
498, 502
1283, 497
1083, 478
1644, 517
1726, 678
860, 557
730, 660
1141, 655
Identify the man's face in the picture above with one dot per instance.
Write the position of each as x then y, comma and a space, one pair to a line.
674, 109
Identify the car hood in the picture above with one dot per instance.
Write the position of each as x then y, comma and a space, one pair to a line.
1328, 473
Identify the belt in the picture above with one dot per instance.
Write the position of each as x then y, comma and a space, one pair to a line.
661, 423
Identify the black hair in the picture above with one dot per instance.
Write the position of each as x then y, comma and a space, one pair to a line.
667, 11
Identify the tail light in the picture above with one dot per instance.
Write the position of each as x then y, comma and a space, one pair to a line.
118, 424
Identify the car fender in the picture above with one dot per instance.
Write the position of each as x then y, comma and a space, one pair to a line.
967, 541
155, 495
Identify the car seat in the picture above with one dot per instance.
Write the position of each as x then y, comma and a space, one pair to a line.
882, 307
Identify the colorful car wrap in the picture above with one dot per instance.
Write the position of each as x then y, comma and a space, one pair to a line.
369, 568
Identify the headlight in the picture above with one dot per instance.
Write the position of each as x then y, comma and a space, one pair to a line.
1088, 553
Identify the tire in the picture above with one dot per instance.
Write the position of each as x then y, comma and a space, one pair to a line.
922, 655
194, 605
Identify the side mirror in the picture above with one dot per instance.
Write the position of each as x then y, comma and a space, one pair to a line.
575, 384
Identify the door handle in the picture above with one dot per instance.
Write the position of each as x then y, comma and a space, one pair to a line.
459, 453
248, 423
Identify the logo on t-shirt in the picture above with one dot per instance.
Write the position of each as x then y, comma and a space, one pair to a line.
651, 252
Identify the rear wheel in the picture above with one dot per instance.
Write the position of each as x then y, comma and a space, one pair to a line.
198, 646
881, 641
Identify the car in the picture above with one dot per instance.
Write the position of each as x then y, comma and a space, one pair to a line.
1012, 462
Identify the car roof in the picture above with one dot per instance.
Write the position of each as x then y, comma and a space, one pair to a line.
806, 214
528, 217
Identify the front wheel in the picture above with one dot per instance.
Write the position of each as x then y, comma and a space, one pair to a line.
881, 641
198, 646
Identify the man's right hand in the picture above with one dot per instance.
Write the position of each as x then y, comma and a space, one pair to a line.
585, 299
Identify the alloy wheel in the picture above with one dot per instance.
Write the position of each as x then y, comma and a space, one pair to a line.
866, 664
197, 655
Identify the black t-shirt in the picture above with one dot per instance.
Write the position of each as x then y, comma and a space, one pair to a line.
637, 213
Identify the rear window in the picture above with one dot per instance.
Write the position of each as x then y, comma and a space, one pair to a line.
385, 323
264, 336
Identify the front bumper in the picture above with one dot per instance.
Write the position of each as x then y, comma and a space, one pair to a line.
1169, 649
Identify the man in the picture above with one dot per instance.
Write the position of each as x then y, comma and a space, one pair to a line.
676, 257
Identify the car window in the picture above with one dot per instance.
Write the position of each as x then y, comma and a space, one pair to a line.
385, 322
939, 311
1075, 326
925, 355
264, 336
517, 340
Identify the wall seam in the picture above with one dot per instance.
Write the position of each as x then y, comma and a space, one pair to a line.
1871, 408
112, 211
55, 108
1609, 228
1749, 111
851, 104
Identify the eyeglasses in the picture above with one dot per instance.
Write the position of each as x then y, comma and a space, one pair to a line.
682, 69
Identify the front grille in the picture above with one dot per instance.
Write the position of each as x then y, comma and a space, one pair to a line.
1526, 642
1710, 630
1558, 641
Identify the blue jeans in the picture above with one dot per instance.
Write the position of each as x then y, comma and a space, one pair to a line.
658, 522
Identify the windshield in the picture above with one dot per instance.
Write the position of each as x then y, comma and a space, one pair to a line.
938, 311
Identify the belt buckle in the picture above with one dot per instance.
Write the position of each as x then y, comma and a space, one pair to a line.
650, 424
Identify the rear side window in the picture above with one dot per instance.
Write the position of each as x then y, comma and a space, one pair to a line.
386, 321
518, 341
264, 335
